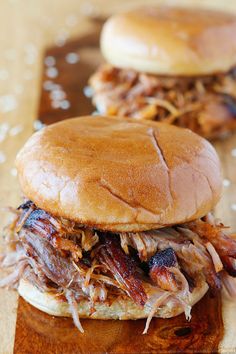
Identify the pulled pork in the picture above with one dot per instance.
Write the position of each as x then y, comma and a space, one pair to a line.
62, 257
206, 105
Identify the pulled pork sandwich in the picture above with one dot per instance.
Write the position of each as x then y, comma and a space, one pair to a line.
170, 64
116, 221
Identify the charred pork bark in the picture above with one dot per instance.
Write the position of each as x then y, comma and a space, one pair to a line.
122, 267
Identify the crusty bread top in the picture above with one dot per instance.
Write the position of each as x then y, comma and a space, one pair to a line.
170, 40
120, 175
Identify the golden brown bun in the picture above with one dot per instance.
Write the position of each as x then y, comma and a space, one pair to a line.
120, 175
172, 41
122, 309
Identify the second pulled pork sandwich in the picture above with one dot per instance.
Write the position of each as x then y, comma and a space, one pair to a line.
116, 221
170, 64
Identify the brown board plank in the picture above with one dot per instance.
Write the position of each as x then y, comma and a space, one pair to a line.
37, 332
71, 78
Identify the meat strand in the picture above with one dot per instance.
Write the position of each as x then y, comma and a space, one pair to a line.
206, 104
224, 245
57, 268
61, 236
176, 258
122, 268
193, 258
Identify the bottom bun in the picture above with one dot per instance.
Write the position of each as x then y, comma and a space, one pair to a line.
120, 308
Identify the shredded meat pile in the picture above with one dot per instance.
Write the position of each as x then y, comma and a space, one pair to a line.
60, 256
206, 105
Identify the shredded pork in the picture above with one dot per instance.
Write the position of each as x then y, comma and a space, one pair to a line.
123, 268
192, 254
59, 256
206, 105
73, 308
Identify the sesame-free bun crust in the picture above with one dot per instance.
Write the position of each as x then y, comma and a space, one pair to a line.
171, 41
119, 308
120, 175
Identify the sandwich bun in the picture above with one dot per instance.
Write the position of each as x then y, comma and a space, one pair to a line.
120, 175
119, 308
171, 41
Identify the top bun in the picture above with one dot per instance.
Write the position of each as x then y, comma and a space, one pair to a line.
120, 175
171, 41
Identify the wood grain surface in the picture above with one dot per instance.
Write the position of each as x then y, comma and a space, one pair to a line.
37, 332
27, 28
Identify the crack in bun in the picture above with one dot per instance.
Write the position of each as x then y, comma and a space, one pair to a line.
120, 175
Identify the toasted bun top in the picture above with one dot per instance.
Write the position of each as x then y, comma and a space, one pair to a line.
172, 41
120, 175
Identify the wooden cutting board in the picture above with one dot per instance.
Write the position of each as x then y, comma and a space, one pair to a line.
212, 328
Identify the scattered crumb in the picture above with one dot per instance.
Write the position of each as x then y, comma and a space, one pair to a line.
7, 103
72, 58
37, 125
233, 206
88, 91
16, 130
226, 182
65, 104
233, 152
50, 61
31, 52
71, 20
55, 104
13, 172
48, 85
2, 157
57, 94
88, 9
4, 127
61, 37
52, 72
